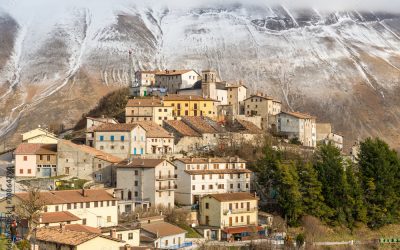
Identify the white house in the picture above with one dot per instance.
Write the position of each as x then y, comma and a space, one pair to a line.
145, 183
300, 126
96, 208
197, 177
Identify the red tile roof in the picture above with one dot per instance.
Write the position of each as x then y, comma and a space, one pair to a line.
238, 230
54, 217
249, 127
92, 151
71, 196
145, 102
109, 127
140, 163
182, 128
218, 171
162, 229
175, 97
66, 236
83, 228
36, 148
153, 130
202, 124
299, 115
211, 160
233, 196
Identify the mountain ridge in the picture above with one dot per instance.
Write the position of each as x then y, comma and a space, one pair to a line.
343, 67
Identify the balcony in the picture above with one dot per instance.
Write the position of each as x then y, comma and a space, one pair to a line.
166, 177
166, 188
240, 211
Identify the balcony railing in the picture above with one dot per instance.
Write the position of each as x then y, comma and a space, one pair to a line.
166, 188
240, 211
166, 177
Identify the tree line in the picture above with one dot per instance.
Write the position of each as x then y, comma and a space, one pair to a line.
334, 189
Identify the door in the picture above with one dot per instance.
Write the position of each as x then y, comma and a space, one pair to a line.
145, 93
46, 172
134, 151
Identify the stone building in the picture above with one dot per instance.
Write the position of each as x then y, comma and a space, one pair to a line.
264, 106
298, 125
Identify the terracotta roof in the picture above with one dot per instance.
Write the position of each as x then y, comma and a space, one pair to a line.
109, 127
92, 151
140, 163
212, 160
263, 97
233, 196
173, 72
162, 229
238, 230
218, 171
83, 228
36, 148
67, 236
148, 71
144, 102
153, 130
250, 127
202, 124
71, 196
175, 97
54, 217
103, 119
182, 128
299, 115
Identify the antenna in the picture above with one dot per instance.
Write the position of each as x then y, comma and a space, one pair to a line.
130, 66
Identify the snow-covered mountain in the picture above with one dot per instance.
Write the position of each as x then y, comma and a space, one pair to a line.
58, 57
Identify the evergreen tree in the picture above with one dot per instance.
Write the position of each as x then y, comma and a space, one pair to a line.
380, 172
311, 191
329, 165
289, 195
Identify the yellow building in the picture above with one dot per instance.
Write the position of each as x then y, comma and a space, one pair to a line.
147, 109
230, 216
191, 105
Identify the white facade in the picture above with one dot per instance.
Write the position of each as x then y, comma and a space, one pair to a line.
149, 184
300, 126
202, 176
174, 80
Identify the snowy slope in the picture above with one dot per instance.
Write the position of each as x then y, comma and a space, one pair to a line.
343, 66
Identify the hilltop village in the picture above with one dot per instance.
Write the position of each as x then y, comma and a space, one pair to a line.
112, 187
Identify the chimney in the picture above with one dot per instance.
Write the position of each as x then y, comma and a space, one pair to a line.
113, 194
113, 233
127, 247
190, 97
40, 219
84, 193
62, 226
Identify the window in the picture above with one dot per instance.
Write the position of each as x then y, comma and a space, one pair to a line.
210, 186
130, 236
29, 171
241, 218
159, 110
238, 185
231, 186
48, 158
68, 206
101, 137
41, 157
87, 204
186, 113
247, 185
112, 146
207, 205
221, 176
136, 183
113, 203
202, 187
136, 172
25, 158
119, 236
202, 176
193, 177
165, 110
122, 138
101, 147
193, 187
136, 194
112, 138
96, 204
56, 208
83, 221
166, 242
108, 218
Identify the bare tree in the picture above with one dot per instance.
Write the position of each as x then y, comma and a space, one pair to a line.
30, 209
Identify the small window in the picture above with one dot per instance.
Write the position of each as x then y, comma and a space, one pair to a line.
112, 138
108, 218
130, 236
29, 171
83, 221
122, 138
136, 172
101, 137
207, 205
193, 187
25, 158
87, 204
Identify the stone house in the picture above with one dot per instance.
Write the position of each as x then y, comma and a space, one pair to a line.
147, 109
264, 106
145, 183
173, 80
85, 162
92, 123
325, 135
298, 125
